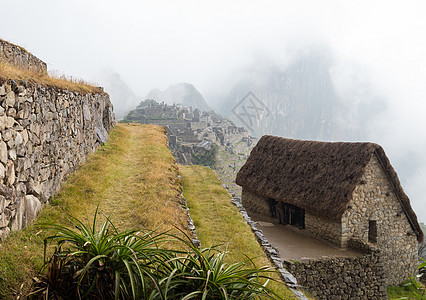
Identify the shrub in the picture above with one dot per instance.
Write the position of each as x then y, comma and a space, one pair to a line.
103, 264
202, 274
108, 264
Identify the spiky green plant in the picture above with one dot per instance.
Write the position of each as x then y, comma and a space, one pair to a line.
202, 274
103, 263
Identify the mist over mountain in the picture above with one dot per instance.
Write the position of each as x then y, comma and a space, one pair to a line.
181, 93
122, 96
301, 100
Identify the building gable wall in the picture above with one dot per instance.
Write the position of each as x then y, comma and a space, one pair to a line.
374, 204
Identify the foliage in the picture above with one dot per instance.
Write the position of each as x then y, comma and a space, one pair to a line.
106, 264
101, 264
414, 287
207, 157
203, 274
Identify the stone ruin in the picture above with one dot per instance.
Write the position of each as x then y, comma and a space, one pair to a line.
46, 132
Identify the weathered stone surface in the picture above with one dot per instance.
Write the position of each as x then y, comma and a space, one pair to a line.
10, 99
45, 133
2, 171
18, 219
10, 173
5, 217
12, 154
3, 120
6, 191
3, 152
32, 207
374, 200
332, 278
16, 55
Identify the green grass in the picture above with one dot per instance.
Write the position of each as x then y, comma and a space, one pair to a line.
401, 291
133, 178
218, 221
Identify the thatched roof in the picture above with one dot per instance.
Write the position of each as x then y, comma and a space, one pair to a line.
317, 176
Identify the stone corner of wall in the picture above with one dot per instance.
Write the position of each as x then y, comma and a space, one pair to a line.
18, 56
359, 245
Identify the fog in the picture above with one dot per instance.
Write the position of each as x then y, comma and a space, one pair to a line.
154, 44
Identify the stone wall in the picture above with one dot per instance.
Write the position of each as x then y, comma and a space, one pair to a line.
374, 200
45, 133
342, 278
256, 206
18, 56
323, 228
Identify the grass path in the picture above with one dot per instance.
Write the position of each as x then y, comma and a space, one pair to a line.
218, 221
133, 178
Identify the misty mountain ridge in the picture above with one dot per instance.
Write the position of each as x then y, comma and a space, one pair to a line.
122, 96
181, 93
299, 101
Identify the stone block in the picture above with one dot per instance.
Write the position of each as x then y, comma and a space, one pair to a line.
32, 207
10, 99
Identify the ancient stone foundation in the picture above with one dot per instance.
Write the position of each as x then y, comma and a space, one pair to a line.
45, 133
360, 277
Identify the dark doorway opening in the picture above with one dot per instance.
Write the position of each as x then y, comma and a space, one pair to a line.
287, 213
372, 231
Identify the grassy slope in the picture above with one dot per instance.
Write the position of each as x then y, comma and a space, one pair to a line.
218, 221
133, 178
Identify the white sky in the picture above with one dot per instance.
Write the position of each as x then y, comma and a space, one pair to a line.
158, 43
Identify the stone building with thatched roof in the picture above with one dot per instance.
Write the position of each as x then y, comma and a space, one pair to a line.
335, 192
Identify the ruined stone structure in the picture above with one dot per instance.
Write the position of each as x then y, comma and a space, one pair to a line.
187, 128
19, 57
337, 192
45, 133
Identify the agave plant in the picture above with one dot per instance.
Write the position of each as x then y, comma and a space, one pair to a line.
203, 274
103, 263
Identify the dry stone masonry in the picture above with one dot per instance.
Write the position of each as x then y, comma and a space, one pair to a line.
18, 56
45, 133
395, 237
359, 277
345, 193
